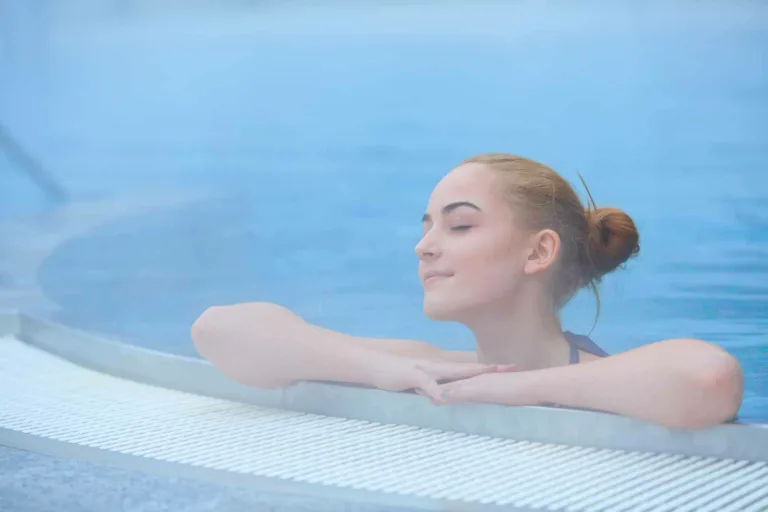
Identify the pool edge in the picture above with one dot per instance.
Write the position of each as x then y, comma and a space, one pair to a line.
538, 424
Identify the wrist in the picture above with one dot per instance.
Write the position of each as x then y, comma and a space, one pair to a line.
516, 388
549, 386
353, 364
391, 372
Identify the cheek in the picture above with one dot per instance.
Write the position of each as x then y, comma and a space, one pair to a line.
478, 282
492, 279
490, 271
487, 269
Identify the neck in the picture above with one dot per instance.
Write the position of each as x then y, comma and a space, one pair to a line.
526, 334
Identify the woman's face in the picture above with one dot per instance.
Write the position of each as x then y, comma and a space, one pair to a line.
472, 254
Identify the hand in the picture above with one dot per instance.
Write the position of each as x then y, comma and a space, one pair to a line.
425, 376
490, 388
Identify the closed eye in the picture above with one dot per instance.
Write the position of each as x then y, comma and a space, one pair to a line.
461, 228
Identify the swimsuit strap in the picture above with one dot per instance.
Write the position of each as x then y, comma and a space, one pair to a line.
575, 357
579, 342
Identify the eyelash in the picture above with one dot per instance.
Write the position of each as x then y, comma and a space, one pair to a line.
461, 228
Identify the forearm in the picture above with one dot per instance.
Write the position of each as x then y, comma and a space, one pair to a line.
676, 383
265, 345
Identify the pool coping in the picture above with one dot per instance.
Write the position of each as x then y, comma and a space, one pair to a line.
538, 424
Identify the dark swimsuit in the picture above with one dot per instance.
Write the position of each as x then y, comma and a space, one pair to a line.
579, 342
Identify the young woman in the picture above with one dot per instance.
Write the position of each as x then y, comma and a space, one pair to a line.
506, 243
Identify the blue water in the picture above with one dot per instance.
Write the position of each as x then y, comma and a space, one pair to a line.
314, 136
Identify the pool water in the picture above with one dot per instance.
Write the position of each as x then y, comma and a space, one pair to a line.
314, 137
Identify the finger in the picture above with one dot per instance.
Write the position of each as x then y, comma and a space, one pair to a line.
452, 392
431, 400
430, 388
446, 396
423, 393
464, 371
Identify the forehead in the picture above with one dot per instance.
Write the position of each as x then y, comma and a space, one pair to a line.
472, 182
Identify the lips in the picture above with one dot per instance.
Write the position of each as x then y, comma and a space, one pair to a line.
431, 275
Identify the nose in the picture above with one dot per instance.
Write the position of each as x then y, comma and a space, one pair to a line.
427, 248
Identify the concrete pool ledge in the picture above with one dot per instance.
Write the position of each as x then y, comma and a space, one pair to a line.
537, 424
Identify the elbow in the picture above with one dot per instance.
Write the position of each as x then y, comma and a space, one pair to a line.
215, 335
226, 337
204, 330
717, 387
722, 380
216, 344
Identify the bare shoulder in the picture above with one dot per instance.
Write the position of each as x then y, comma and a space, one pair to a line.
419, 349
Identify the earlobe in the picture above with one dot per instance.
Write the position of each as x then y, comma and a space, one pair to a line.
544, 249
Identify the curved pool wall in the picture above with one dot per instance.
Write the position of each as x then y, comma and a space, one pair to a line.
223, 154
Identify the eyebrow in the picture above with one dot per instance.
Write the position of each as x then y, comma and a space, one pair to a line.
450, 207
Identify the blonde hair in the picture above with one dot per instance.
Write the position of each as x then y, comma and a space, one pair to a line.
594, 241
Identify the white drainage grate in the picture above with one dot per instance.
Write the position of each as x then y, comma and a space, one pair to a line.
51, 398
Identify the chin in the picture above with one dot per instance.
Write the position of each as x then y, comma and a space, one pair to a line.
442, 310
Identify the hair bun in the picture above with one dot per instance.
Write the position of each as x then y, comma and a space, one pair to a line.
613, 239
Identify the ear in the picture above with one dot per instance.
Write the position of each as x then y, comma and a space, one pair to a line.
543, 251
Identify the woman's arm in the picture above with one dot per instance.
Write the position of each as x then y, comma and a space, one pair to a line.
266, 345
683, 383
